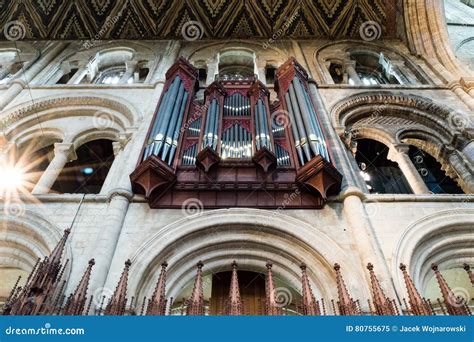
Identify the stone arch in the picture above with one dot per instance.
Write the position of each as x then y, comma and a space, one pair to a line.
107, 116
26, 236
410, 119
250, 236
332, 52
211, 49
445, 238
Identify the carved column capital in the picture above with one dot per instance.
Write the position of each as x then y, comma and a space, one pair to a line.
122, 192
66, 149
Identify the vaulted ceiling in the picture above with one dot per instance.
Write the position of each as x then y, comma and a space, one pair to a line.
163, 19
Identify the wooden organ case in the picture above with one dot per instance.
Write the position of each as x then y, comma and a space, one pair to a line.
235, 149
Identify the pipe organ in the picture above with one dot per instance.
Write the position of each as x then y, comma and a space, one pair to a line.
235, 148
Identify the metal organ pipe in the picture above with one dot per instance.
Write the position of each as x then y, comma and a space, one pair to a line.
257, 128
171, 123
316, 137
177, 129
322, 142
294, 129
265, 134
299, 122
216, 125
168, 122
158, 120
212, 124
164, 121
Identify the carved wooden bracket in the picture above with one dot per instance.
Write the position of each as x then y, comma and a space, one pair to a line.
320, 176
207, 158
152, 178
266, 159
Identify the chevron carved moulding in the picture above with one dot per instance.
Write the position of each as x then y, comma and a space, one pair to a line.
166, 19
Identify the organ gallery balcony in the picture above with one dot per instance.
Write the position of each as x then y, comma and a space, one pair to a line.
235, 148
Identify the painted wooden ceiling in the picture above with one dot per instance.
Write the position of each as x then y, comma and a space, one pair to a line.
176, 19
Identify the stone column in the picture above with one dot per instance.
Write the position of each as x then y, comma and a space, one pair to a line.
343, 161
212, 70
63, 153
17, 85
350, 69
399, 154
117, 166
129, 71
363, 235
169, 57
80, 73
261, 64
5, 70
459, 165
104, 247
458, 89
365, 240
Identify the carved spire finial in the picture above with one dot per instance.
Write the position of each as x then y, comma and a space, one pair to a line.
233, 305
77, 301
118, 301
271, 305
454, 305
310, 304
382, 304
347, 306
196, 302
417, 305
157, 304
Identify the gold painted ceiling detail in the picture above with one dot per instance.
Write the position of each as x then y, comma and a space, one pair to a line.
164, 19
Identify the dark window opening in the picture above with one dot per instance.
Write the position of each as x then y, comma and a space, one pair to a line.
336, 72
67, 77
381, 175
430, 170
202, 75
270, 74
142, 74
87, 173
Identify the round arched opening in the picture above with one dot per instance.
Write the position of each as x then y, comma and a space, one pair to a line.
216, 288
87, 173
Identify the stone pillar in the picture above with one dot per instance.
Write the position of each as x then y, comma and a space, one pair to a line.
399, 154
17, 85
129, 71
169, 57
350, 69
119, 161
261, 64
343, 161
80, 73
463, 171
458, 89
365, 240
63, 153
5, 70
104, 247
212, 69
402, 73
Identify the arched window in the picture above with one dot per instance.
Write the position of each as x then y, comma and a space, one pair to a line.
373, 69
430, 170
87, 173
381, 175
111, 75
236, 64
